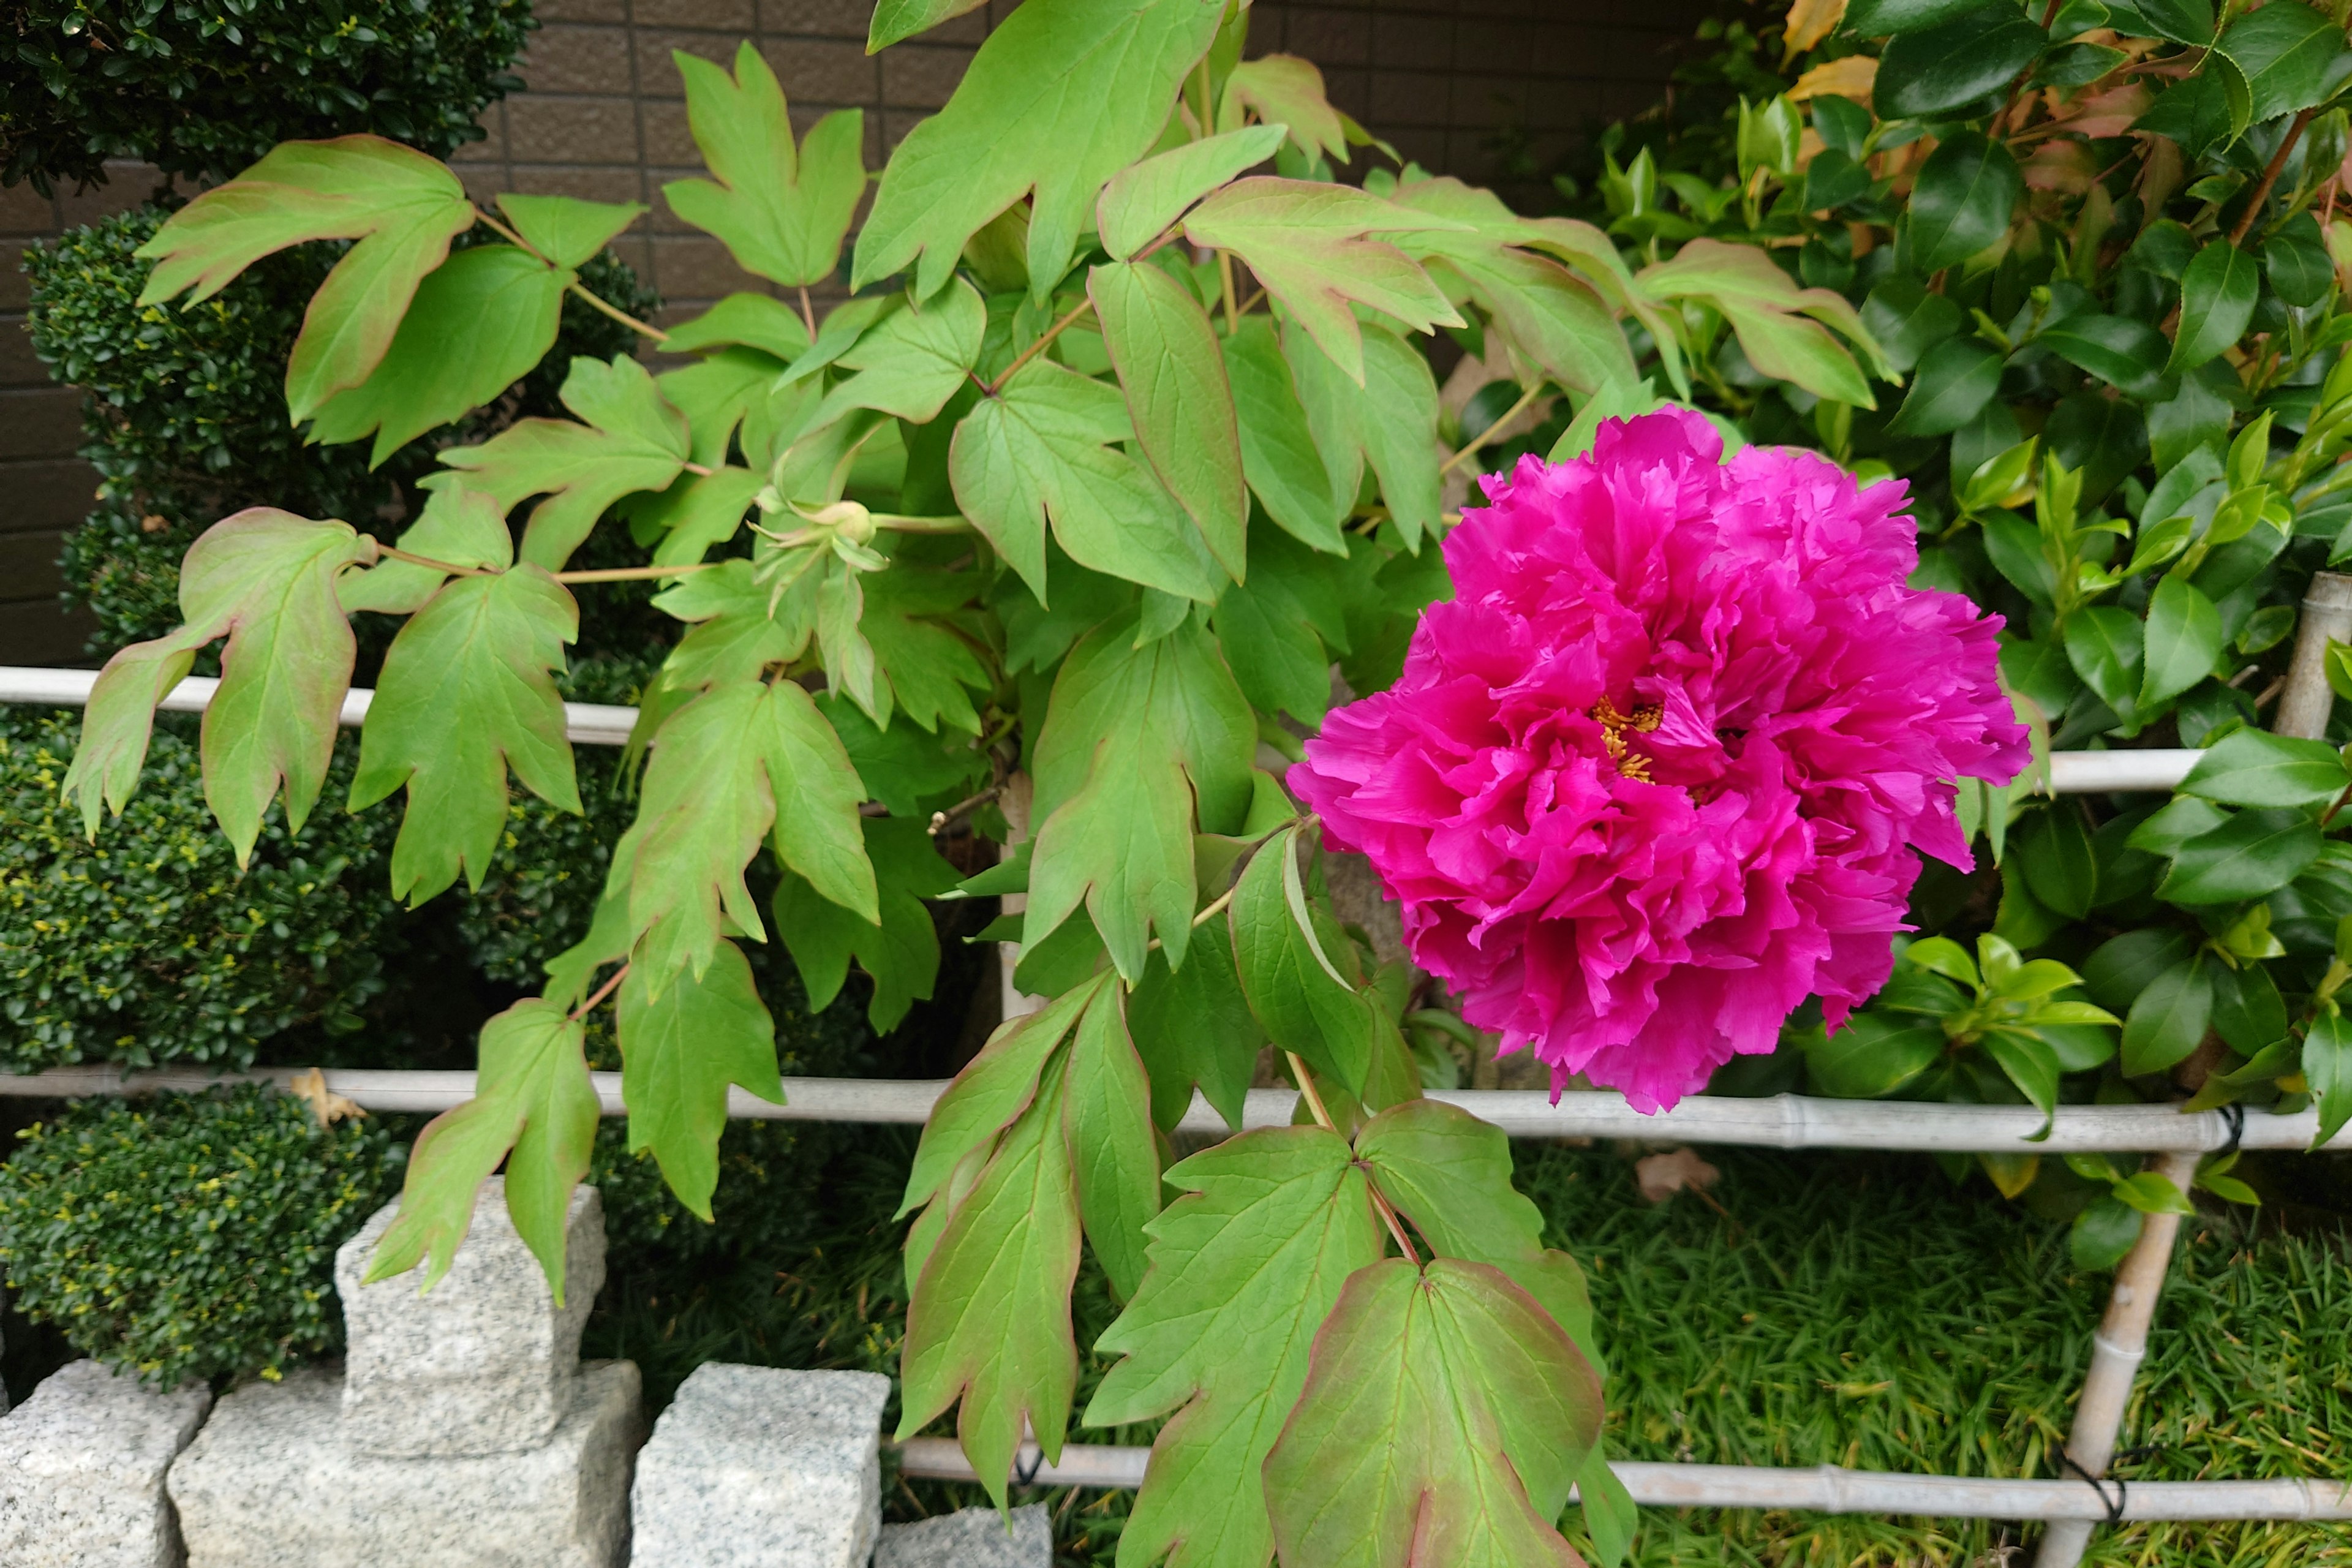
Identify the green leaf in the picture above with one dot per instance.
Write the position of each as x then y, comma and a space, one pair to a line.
2128, 355
2151, 1192
2058, 863
1872, 1056
1948, 66
680, 1052
2327, 1069
1389, 420
1280, 456
2249, 1013
467, 691
1284, 953
2125, 966
266, 580
781, 212
900, 953
1306, 242
1134, 737
2029, 1063
719, 765
2166, 829
1141, 201
1194, 1025
633, 440
1043, 450
1245, 1267
1283, 90
751, 321
995, 1088
2103, 1233
1956, 378
696, 514
898, 19
2293, 58
500, 301
1061, 96
2182, 21
566, 230
1450, 1174
1779, 324
2252, 855
1445, 1419
401, 207
1269, 636
1961, 200
2103, 642
458, 526
990, 1322
532, 1096
1553, 320
2217, 301
1942, 955
1107, 1120
2254, 767
2168, 1020
720, 391
1175, 377
1884, 18
2296, 262
912, 360
2183, 639
924, 668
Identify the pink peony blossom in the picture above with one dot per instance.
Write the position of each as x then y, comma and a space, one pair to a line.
1654, 775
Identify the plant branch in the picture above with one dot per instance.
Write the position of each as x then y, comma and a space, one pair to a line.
1315, 1105
808, 313
643, 329
1491, 431
632, 574
599, 995
940, 819
1033, 350
2270, 176
1215, 906
1233, 306
448, 567
893, 522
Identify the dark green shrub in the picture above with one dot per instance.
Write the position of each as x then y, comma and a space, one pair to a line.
184, 413
191, 1236
149, 946
200, 88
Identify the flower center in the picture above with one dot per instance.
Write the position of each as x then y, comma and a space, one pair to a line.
1614, 725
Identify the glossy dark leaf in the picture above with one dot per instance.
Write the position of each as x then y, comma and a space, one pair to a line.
2168, 1019
1969, 57
2217, 301
1955, 379
2253, 854
1961, 201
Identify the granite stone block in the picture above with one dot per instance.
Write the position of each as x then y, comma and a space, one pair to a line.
81, 1470
755, 1467
483, 1362
269, 1484
969, 1538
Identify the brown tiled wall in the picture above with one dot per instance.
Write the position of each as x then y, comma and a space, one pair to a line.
604, 117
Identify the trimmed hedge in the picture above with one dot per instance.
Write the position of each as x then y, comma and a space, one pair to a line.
207, 88
192, 1236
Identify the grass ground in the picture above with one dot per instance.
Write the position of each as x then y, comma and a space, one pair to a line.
1847, 1310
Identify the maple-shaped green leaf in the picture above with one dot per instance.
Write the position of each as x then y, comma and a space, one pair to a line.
266, 580
899, 952
1306, 241
996, 1086
1286, 91
499, 300
752, 321
1245, 1268
533, 1097
1107, 1117
1193, 1026
457, 526
781, 212
695, 514
680, 1052
1174, 374
898, 19
1143, 199
717, 392
1444, 1420
719, 765
926, 670
567, 230
1042, 449
1553, 322
736, 628
990, 1320
1064, 94
1389, 419
1289, 953
401, 207
467, 691
912, 360
632, 441
1280, 456
1770, 312
1133, 738
1450, 1174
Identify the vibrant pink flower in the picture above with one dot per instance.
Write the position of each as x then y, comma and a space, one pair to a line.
1654, 775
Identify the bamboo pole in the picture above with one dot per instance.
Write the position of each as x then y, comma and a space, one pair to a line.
1829, 1488
2306, 700
593, 724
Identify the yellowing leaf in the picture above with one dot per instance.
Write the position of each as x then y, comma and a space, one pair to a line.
781, 212
1285, 90
267, 581
1809, 22
1852, 77
1306, 243
401, 207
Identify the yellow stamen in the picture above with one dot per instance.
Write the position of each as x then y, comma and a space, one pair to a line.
1614, 725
